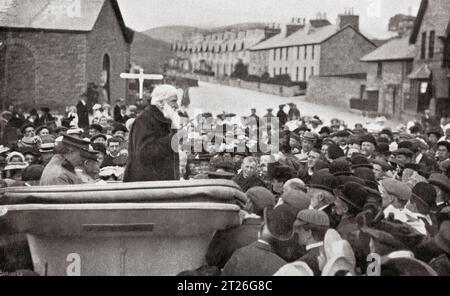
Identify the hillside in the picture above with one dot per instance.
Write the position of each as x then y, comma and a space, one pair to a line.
176, 33
170, 34
150, 53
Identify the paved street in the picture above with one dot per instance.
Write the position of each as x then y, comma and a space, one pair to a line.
217, 98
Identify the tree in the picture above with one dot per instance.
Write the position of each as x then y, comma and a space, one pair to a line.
240, 70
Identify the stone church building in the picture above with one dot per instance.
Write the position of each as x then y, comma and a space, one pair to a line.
51, 50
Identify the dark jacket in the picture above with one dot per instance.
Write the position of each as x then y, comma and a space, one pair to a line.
282, 117
248, 183
225, 242
150, 153
428, 164
59, 172
117, 115
83, 115
256, 259
313, 262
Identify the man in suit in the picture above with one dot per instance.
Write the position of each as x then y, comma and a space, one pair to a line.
225, 242
321, 194
261, 257
83, 113
311, 226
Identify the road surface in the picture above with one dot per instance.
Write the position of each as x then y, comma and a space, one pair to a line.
217, 98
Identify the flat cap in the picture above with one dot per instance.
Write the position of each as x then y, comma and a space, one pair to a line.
403, 151
312, 217
280, 221
261, 198
397, 189
383, 238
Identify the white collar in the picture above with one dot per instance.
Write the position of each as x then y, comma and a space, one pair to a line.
313, 246
419, 157
323, 208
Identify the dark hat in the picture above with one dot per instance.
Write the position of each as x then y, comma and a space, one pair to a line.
33, 112
97, 127
297, 199
280, 221
32, 173
334, 151
367, 176
207, 115
414, 129
408, 144
321, 165
230, 115
25, 126
359, 161
75, 142
280, 172
119, 128
47, 147
442, 239
341, 180
444, 143
325, 130
383, 148
383, 238
295, 136
344, 133
323, 180
302, 128
100, 147
383, 164
353, 194
312, 217
437, 132
98, 136
383, 140
60, 129
405, 266
41, 128
30, 150
89, 154
269, 109
404, 232
425, 194
281, 106
261, 198
340, 166
440, 180
368, 138
387, 132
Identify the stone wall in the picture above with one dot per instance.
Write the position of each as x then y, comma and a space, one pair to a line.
333, 91
341, 54
107, 38
52, 75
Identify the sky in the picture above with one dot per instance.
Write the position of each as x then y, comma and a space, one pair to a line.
374, 15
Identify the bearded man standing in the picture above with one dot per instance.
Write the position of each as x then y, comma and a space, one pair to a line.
153, 144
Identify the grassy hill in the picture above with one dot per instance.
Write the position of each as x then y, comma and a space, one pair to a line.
176, 33
150, 53
171, 34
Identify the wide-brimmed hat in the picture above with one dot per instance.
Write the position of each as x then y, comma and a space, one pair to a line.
15, 166
440, 180
75, 142
296, 268
323, 180
340, 166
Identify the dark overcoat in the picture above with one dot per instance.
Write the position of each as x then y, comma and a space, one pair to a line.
150, 153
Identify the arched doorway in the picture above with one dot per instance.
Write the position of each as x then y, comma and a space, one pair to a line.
17, 76
105, 79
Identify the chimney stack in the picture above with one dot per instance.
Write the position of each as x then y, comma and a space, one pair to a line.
348, 18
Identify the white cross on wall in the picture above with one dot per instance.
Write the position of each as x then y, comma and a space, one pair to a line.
141, 77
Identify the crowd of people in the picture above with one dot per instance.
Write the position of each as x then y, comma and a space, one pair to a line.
321, 197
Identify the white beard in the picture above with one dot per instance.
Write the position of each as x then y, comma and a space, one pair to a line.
172, 114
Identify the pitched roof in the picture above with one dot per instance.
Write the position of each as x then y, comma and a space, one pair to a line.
393, 50
300, 37
305, 36
57, 15
418, 22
